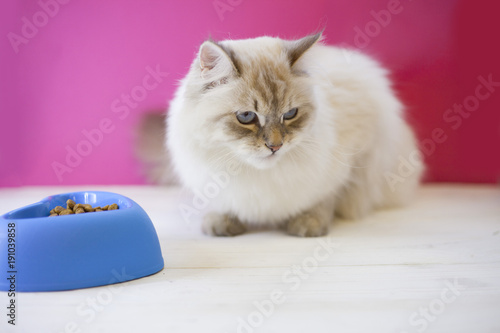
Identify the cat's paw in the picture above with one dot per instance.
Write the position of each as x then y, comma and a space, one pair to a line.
307, 225
222, 225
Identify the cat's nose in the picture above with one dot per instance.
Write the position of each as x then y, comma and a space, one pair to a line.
274, 148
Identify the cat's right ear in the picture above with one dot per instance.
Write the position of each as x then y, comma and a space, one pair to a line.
215, 63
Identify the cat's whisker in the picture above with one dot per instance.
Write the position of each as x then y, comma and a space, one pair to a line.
312, 144
312, 141
218, 161
297, 155
355, 150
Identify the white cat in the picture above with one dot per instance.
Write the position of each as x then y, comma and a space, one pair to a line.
302, 130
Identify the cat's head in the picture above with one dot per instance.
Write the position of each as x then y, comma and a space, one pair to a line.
253, 97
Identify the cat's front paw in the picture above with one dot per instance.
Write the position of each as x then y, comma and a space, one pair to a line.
222, 225
307, 225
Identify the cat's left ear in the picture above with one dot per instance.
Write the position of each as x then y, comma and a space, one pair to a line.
297, 48
215, 63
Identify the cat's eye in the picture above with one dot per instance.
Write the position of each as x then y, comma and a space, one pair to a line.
246, 117
290, 114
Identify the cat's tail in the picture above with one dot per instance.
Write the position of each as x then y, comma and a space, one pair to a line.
150, 150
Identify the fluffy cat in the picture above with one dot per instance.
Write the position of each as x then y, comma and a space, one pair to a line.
300, 131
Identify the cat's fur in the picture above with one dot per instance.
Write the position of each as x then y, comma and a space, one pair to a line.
332, 157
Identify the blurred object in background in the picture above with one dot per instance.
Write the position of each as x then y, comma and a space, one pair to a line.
150, 149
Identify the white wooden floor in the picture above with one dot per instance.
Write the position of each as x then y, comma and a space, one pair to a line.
431, 267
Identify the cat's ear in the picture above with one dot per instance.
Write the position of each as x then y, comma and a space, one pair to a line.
297, 48
215, 63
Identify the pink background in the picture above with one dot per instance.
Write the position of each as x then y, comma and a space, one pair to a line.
69, 76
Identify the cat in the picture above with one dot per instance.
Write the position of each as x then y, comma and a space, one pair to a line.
302, 132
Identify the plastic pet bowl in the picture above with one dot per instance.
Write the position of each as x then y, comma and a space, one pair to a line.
42, 253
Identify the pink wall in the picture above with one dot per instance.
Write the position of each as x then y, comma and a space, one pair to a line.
67, 68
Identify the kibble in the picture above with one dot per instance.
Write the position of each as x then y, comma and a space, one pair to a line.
79, 210
74, 208
58, 209
77, 206
70, 204
66, 212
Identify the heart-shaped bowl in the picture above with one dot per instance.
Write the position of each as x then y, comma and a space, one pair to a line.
42, 253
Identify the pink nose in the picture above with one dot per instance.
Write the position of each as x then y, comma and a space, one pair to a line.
274, 148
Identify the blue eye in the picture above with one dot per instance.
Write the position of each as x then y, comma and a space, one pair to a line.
246, 117
290, 114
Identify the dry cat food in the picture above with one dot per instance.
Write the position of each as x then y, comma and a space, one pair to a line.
74, 208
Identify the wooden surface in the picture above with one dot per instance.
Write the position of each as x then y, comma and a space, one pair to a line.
431, 267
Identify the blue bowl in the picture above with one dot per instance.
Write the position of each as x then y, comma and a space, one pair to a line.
42, 253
